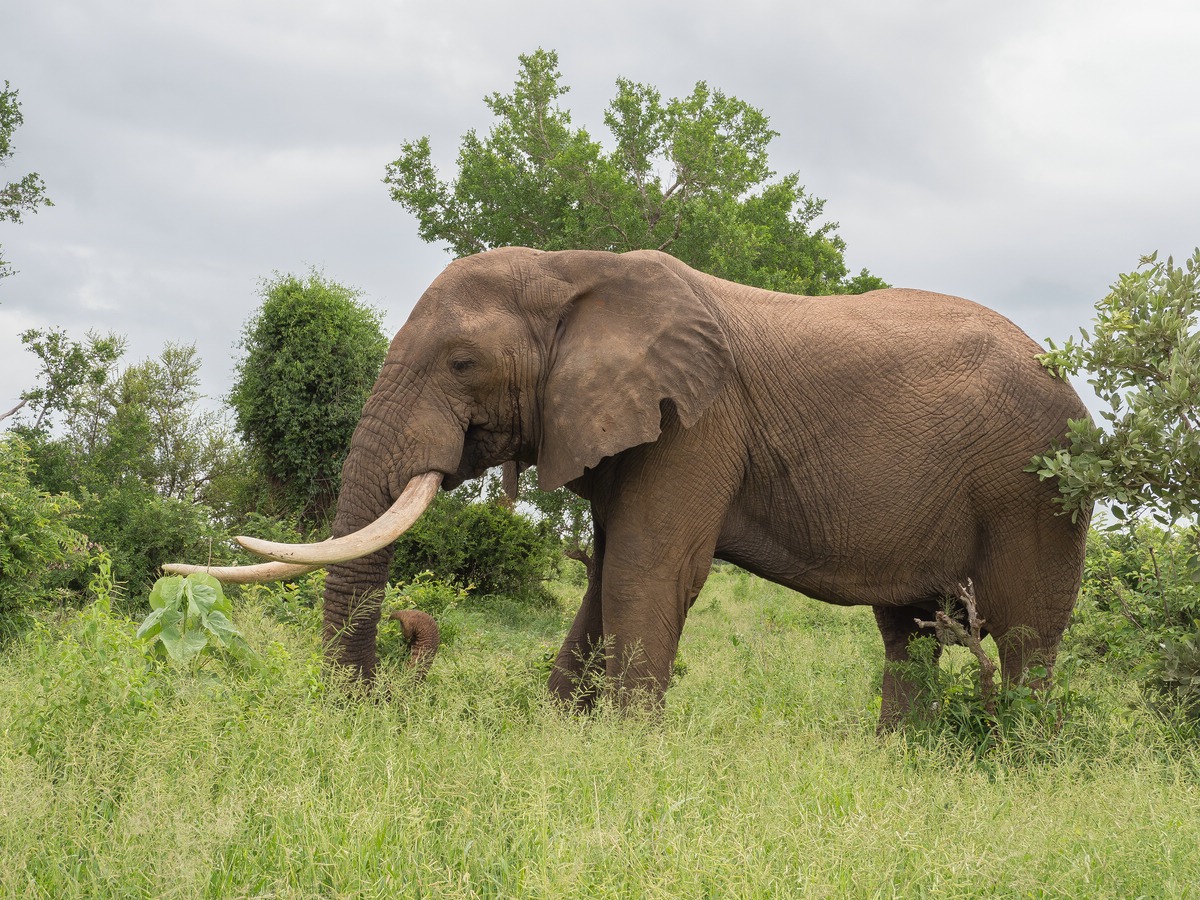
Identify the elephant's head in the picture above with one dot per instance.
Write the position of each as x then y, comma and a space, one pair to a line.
555, 359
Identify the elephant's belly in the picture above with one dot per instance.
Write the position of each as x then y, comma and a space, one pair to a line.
832, 569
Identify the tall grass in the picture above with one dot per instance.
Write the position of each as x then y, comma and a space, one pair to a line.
763, 778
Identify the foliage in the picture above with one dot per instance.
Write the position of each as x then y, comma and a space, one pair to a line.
427, 592
1139, 611
763, 776
689, 176
1143, 356
138, 452
38, 541
1141, 586
190, 621
312, 354
494, 548
142, 530
1177, 675
26, 194
67, 368
145, 424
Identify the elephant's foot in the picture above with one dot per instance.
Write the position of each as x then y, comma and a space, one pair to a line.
577, 680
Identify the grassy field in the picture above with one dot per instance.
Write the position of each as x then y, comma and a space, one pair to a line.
764, 777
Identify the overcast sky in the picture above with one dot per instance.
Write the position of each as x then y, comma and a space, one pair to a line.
1021, 154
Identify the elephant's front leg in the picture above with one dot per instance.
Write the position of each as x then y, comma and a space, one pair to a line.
646, 600
662, 522
579, 665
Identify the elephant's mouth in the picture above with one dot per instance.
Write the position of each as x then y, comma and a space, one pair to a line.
483, 448
290, 560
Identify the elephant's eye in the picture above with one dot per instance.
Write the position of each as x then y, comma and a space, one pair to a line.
461, 365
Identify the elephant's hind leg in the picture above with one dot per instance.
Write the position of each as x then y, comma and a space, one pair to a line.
1026, 590
898, 626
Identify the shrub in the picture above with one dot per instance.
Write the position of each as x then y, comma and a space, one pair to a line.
496, 549
191, 621
312, 353
38, 544
1139, 590
141, 530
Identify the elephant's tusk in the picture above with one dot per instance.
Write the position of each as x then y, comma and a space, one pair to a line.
273, 571
413, 500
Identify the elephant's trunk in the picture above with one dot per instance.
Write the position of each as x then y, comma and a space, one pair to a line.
421, 632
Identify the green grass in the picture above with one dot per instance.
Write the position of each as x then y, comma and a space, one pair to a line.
763, 778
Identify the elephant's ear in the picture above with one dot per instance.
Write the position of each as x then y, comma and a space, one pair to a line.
633, 334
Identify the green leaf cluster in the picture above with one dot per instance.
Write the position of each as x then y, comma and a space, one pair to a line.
495, 549
28, 193
191, 619
1141, 587
37, 537
687, 175
148, 465
1143, 360
312, 354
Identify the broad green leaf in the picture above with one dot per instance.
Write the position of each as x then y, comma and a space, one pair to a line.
224, 630
166, 592
183, 647
151, 622
201, 598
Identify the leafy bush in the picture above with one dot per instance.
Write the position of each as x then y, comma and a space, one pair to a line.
1140, 609
488, 545
1177, 675
191, 621
142, 530
429, 593
313, 352
1139, 590
38, 545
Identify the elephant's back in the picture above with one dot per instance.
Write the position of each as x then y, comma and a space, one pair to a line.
908, 350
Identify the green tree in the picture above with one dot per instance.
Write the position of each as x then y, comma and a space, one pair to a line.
1143, 360
67, 368
689, 176
135, 449
26, 194
312, 354
1141, 591
37, 540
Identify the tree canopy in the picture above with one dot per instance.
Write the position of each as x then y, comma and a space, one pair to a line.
27, 193
689, 176
312, 354
1143, 359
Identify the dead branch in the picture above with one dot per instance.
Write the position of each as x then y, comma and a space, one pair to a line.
950, 631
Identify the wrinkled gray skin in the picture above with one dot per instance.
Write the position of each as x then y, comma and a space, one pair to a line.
859, 449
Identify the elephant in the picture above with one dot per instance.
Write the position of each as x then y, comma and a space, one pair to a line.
860, 449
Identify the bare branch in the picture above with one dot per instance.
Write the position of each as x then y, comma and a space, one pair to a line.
16, 409
951, 631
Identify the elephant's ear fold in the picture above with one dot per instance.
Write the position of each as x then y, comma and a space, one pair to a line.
633, 334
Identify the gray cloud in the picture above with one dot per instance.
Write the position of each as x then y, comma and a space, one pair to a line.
1021, 154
